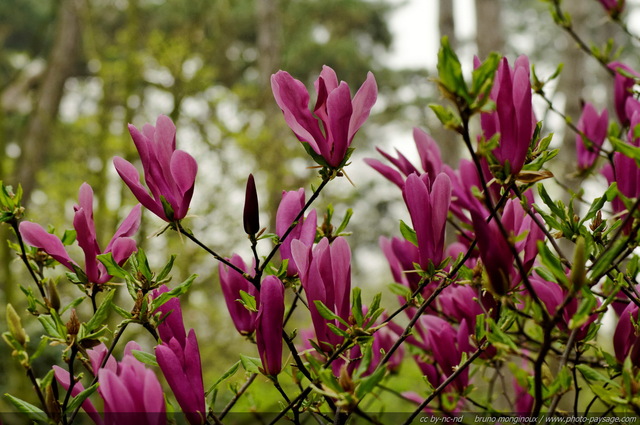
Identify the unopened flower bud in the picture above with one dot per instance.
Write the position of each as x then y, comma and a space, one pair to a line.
596, 222
53, 406
54, 297
73, 325
345, 380
15, 326
251, 216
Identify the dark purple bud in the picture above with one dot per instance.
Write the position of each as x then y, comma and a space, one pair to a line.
251, 217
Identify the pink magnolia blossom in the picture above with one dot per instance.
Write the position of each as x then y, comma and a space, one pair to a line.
626, 339
232, 283
62, 376
430, 160
613, 7
623, 89
178, 356
132, 393
335, 119
594, 126
325, 274
169, 174
428, 204
121, 245
513, 117
269, 325
625, 172
305, 230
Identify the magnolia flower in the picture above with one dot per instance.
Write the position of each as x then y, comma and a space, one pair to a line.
623, 89
625, 337
428, 204
179, 359
325, 274
625, 172
170, 174
594, 126
335, 119
232, 283
613, 7
552, 296
429, 158
132, 393
305, 230
62, 376
121, 245
269, 325
513, 117
446, 344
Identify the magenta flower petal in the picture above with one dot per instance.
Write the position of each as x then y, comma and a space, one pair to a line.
183, 170
128, 227
363, 101
131, 178
336, 118
292, 97
172, 325
34, 235
269, 325
231, 283
62, 376
169, 173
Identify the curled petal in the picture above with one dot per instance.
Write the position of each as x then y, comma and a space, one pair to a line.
35, 235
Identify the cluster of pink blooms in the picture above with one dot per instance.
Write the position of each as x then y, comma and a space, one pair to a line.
506, 243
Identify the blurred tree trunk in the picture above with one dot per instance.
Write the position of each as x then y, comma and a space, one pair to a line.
446, 23
489, 28
271, 157
62, 61
446, 26
572, 85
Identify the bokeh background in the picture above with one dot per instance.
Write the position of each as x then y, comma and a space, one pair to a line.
73, 73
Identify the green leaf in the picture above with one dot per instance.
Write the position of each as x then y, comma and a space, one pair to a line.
336, 330
585, 309
328, 314
248, 300
175, 292
345, 221
450, 71
112, 267
121, 311
447, 117
250, 364
72, 304
596, 206
143, 265
144, 357
370, 382
77, 400
34, 413
482, 77
555, 209
166, 269
595, 376
553, 264
606, 259
408, 233
50, 327
626, 149
399, 289
69, 237
228, 374
356, 308
101, 313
